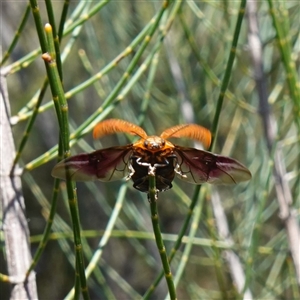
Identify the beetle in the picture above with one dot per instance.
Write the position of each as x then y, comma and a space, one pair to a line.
152, 155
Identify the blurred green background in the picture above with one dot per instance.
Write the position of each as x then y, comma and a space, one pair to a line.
183, 69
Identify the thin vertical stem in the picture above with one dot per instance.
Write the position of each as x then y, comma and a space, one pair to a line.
62, 114
228, 70
157, 233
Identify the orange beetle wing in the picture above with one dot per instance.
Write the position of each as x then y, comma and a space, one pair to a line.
192, 131
105, 165
198, 166
114, 126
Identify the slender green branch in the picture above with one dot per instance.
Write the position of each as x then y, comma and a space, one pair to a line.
178, 240
62, 114
55, 36
47, 230
108, 231
157, 233
30, 123
16, 36
77, 21
228, 71
39, 25
37, 103
63, 19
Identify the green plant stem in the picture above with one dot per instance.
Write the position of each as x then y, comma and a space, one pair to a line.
157, 233
30, 122
178, 240
228, 71
45, 84
97, 255
63, 19
39, 25
214, 131
16, 36
62, 114
26, 112
77, 21
55, 36
47, 230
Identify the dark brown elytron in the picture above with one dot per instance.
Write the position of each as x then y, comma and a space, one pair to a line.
154, 154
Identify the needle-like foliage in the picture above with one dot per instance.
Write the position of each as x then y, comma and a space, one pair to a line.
229, 66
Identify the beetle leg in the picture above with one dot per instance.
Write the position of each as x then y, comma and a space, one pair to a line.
131, 172
151, 170
161, 165
145, 164
178, 171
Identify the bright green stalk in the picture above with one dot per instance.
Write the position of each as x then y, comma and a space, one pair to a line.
55, 36
26, 112
157, 233
62, 113
37, 103
39, 25
178, 240
77, 281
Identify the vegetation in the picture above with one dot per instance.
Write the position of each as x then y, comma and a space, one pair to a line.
158, 64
